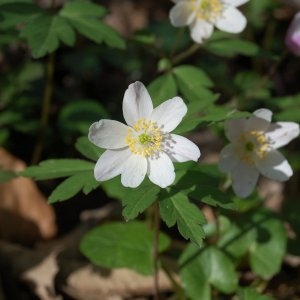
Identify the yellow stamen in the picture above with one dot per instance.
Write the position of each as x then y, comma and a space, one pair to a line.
208, 10
145, 138
252, 145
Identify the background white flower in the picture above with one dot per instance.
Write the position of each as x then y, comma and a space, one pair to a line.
252, 150
145, 145
202, 15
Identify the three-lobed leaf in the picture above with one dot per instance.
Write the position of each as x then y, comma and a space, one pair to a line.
135, 201
177, 209
84, 17
45, 32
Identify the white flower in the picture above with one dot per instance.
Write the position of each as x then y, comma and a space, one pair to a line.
253, 150
145, 145
202, 15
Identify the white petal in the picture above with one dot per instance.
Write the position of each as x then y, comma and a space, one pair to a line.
136, 103
181, 149
234, 128
281, 133
232, 20
244, 179
110, 164
108, 134
182, 14
235, 3
228, 158
260, 120
161, 170
201, 30
169, 114
275, 166
134, 171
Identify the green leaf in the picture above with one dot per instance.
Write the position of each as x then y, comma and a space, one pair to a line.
220, 113
194, 85
80, 9
17, 12
212, 196
162, 88
123, 245
177, 209
135, 201
191, 78
84, 181
267, 253
261, 234
84, 16
57, 168
209, 266
88, 149
6, 175
78, 116
224, 45
44, 32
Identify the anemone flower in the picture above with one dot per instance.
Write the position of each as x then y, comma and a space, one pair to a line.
202, 15
145, 145
253, 150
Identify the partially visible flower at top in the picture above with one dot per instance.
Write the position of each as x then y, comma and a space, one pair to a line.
202, 15
292, 38
253, 150
145, 145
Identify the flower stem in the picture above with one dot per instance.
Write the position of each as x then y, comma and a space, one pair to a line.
156, 226
46, 105
185, 54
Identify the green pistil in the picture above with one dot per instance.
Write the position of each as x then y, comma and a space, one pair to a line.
205, 5
144, 138
249, 146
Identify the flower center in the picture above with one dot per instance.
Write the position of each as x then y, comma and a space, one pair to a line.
144, 138
252, 145
208, 10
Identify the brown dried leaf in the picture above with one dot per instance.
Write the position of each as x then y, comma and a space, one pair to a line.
25, 215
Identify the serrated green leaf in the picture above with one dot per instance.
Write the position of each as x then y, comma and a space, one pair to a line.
84, 181
84, 16
57, 168
144, 196
44, 33
208, 266
6, 175
88, 149
162, 88
135, 201
177, 209
119, 245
